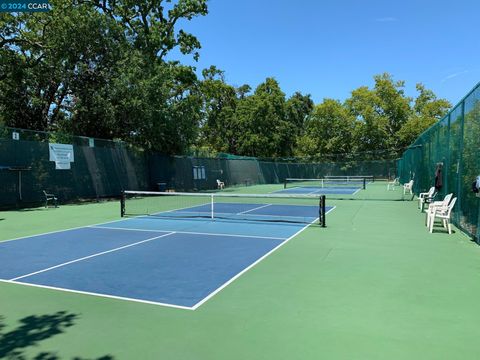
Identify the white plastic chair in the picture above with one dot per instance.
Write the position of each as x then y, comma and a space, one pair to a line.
220, 184
391, 185
408, 187
436, 205
425, 197
444, 214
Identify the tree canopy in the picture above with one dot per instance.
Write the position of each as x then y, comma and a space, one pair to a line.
100, 68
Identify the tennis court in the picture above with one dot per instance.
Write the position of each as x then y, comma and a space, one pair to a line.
252, 180
177, 258
334, 185
339, 284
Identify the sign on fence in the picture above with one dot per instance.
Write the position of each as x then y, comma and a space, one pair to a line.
62, 154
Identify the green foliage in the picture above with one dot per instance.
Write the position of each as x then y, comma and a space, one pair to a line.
263, 124
98, 68
298, 108
264, 128
427, 110
380, 121
329, 130
151, 28
158, 109
381, 112
219, 126
261, 121
86, 66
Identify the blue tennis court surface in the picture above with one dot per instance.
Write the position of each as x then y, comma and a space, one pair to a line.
173, 262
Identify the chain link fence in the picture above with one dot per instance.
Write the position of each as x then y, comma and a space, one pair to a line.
453, 145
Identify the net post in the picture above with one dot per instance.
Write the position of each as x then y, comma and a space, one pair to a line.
321, 217
211, 207
122, 203
364, 183
285, 183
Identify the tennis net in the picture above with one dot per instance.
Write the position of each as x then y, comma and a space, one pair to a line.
368, 178
307, 209
333, 182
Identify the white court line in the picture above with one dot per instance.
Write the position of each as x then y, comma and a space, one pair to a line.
357, 191
59, 231
91, 225
182, 208
224, 285
190, 232
218, 215
159, 303
220, 288
92, 256
97, 294
282, 190
88, 225
258, 207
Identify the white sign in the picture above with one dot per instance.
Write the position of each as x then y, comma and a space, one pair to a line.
62, 154
62, 165
15, 135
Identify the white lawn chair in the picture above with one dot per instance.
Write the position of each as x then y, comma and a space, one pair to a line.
391, 184
220, 184
425, 197
436, 205
408, 187
444, 214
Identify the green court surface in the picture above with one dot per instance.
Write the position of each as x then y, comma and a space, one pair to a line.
373, 284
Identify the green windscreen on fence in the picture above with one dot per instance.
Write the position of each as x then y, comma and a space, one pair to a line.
182, 173
100, 168
103, 168
453, 144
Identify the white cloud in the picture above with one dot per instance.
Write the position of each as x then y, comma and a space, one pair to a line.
454, 75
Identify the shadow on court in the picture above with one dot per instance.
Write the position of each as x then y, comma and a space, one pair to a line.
31, 331
36, 209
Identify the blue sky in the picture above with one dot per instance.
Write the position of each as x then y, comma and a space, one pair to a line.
329, 48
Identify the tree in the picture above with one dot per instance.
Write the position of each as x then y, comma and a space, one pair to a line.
69, 68
427, 110
158, 110
380, 121
262, 122
219, 127
381, 113
371, 132
298, 108
329, 130
151, 28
